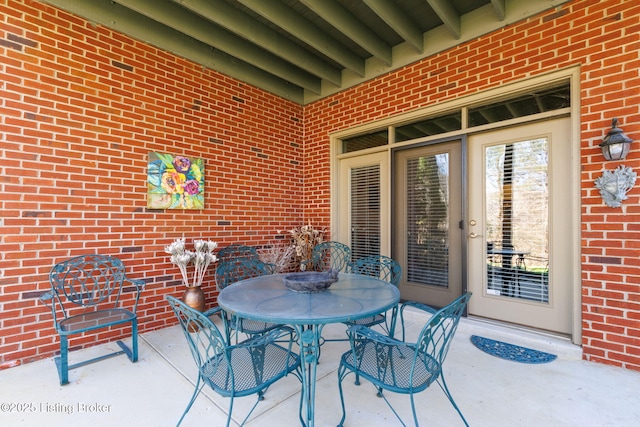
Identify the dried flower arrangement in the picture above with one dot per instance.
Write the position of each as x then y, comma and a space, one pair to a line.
202, 257
303, 240
278, 253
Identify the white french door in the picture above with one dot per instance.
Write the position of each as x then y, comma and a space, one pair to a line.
516, 212
520, 238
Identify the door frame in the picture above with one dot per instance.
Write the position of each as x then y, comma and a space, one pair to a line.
571, 74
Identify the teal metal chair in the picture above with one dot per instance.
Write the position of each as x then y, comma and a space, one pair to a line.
401, 367
237, 251
86, 296
383, 268
247, 368
329, 255
234, 270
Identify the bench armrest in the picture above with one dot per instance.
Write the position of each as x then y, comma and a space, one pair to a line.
139, 284
48, 299
212, 311
419, 306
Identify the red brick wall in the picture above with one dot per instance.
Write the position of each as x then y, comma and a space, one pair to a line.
602, 36
80, 108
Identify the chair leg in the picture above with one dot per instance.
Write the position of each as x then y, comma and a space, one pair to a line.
230, 412
413, 408
62, 362
342, 372
391, 328
196, 392
131, 352
258, 400
443, 385
134, 340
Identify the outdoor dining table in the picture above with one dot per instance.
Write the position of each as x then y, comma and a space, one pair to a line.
267, 299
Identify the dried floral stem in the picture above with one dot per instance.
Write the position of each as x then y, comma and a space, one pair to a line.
202, 258
278, 253
304, 239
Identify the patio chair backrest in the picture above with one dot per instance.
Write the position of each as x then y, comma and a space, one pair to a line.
205, 340
233, 270
379, 266
236, 251
87, 281
331, 255
436, 336
403, 367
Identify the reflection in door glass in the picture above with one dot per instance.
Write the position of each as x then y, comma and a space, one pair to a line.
517, 220
428, 220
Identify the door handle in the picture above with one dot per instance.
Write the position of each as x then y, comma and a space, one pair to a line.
474, 235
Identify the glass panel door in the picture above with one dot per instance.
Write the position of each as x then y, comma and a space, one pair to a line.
428, 220
427, 214
520, 225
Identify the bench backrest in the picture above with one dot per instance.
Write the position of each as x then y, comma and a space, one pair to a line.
87, 281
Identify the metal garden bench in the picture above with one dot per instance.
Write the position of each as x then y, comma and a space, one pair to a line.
86, 296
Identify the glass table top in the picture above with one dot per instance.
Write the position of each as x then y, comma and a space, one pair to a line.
266, 298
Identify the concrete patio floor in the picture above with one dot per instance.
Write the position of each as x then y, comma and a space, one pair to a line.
490, 391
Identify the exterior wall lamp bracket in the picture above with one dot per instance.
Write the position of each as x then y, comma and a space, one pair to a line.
615, 146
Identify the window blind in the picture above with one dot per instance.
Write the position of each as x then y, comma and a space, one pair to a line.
428, 220
365, 211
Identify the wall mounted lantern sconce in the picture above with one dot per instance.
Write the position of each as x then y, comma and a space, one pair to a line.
615, 146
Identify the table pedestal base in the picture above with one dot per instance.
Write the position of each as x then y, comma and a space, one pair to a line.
309, 340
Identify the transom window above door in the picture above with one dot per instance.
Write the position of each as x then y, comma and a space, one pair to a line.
533, 101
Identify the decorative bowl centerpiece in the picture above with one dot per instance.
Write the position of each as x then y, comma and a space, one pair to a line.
310, 281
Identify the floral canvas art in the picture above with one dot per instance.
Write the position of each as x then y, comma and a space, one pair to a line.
175, 182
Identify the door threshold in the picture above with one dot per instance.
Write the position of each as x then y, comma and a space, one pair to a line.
521, 328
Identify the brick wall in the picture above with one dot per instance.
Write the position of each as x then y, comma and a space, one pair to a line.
80, 108
602, 36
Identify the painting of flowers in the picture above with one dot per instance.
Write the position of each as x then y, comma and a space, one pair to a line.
175, 182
